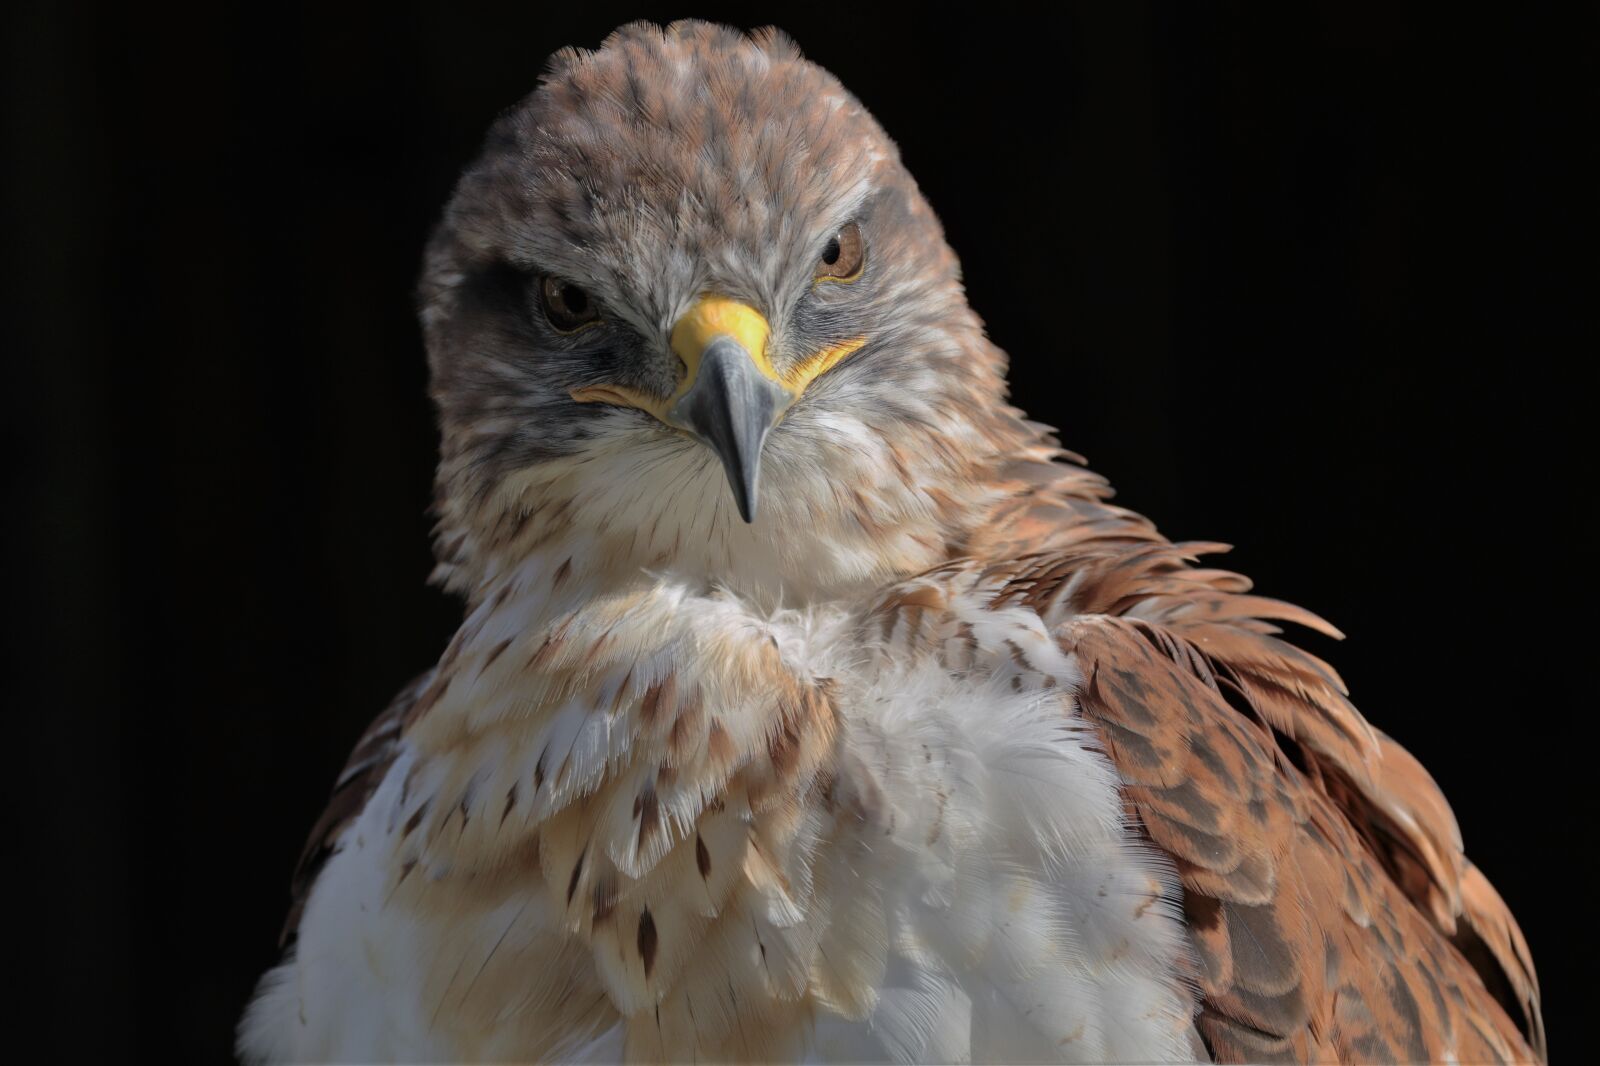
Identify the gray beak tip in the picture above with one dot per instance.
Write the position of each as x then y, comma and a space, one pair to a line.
731, 408
743, 479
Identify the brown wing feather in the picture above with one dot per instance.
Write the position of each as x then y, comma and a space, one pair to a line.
1333, 912
356, 782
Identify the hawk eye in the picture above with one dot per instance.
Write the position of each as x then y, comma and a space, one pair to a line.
568, 307
843, 256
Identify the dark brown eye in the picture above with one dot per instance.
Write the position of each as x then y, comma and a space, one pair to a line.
843, 256
568, 307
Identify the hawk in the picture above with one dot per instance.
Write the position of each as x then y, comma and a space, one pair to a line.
812, 703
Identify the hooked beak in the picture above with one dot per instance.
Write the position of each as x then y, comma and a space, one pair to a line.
731, 395
731, 407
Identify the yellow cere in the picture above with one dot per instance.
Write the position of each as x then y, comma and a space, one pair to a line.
717, 316
712, 317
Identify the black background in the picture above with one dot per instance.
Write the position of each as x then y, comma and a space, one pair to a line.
1304, 280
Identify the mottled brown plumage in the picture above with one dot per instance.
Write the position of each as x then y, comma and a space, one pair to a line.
944, 750
1292, 820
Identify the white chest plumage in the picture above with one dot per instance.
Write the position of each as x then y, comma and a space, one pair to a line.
671, 826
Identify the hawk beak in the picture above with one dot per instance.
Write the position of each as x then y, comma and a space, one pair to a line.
731, 407
731, 396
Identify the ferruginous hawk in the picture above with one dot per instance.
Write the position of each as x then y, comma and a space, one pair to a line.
810, 702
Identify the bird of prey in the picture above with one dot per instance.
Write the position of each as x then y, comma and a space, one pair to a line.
810, 702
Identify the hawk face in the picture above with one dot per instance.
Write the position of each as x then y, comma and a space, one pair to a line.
688, 311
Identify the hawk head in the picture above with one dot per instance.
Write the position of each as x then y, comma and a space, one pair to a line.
689, 312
